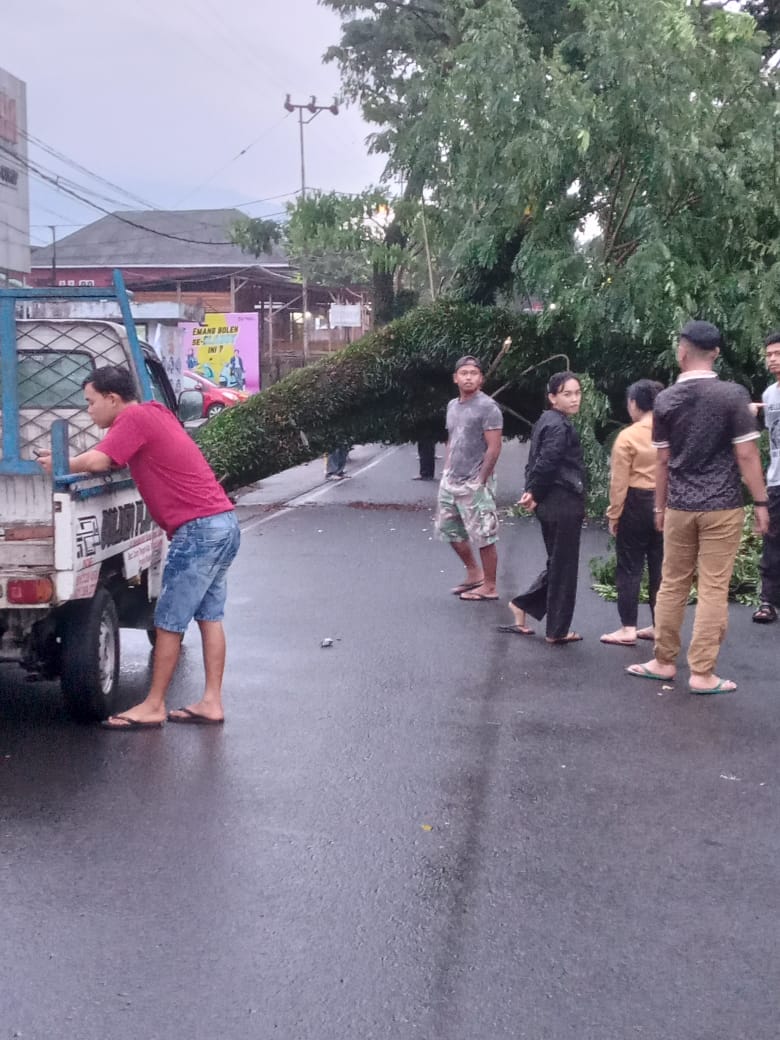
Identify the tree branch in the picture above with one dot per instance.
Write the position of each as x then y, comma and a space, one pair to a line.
629, 203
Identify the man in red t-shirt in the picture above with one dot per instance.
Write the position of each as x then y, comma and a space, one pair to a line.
185, 499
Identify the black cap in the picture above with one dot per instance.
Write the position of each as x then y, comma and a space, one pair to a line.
703, 334
468, 359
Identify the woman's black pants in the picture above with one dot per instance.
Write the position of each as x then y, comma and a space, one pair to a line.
555, 590
637, 541
770, 558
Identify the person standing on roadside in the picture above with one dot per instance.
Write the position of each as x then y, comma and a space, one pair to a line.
466, 510
185, 499
770, 557
706, 437
630, 514
555, 482
335, 462
426, 454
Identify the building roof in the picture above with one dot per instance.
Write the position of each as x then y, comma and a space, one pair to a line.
156, 238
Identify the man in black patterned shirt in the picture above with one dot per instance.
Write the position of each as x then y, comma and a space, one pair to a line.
706, 437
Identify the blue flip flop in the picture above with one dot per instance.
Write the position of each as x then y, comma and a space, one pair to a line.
647, 674
723, 686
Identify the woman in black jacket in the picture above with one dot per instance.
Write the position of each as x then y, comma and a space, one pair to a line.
555, 489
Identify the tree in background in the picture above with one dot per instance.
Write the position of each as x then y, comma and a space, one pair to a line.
370, 239
618, 160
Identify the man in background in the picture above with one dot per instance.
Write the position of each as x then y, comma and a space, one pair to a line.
770, 557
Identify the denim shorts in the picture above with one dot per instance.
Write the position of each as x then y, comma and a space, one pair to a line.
194, 582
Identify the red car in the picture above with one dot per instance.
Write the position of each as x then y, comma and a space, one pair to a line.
215, 398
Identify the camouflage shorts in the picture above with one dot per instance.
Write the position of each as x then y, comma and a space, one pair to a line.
467, 512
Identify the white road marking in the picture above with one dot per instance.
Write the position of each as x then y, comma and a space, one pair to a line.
311, 496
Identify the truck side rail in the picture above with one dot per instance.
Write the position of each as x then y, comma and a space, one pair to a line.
11, 461
64, 480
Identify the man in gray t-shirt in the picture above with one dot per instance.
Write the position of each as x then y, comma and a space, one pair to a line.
467, 506
770, 557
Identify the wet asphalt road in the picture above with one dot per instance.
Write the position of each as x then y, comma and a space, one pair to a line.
428, 830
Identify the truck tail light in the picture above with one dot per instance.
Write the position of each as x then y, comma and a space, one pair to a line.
35, 590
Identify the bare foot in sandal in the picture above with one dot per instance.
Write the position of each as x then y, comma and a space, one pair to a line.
572, 637
621, 637
519, 626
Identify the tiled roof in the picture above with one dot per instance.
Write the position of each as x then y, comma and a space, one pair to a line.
156, 238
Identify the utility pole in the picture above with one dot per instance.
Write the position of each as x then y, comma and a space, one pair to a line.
53, 229
314, 109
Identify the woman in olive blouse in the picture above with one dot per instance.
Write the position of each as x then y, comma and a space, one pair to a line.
630, 514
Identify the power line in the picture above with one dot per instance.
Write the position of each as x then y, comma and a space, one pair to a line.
31, 167
60, 186
272, 198
18, 230
27, 164
236, 40
235, 158
54, 153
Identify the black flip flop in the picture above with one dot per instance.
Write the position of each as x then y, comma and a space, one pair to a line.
129, 724
193, 718
515, 630
765, 615
465, 587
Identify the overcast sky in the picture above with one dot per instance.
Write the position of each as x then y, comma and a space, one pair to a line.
160, 96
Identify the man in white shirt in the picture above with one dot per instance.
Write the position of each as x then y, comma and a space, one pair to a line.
770, 558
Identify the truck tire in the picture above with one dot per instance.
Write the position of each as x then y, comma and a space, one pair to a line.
90, 657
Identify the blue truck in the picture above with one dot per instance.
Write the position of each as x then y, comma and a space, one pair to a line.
80, 557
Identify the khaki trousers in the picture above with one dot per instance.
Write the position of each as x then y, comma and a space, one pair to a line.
707, 542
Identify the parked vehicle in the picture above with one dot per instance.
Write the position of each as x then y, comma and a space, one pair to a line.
80, 556
215, 398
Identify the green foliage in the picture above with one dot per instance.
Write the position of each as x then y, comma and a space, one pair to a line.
341, 238
592, 416
256, 236
615, 158
745, 585
393, 385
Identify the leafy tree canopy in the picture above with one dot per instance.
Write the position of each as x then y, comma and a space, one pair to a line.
616, 158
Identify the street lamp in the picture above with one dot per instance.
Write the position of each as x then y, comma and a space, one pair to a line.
314, 109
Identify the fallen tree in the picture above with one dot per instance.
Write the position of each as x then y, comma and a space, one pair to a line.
391, 386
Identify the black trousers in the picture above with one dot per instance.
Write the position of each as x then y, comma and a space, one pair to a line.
637, 541
770, 557
555, 590
427, 453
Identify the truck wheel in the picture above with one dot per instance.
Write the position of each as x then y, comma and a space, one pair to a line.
90, 657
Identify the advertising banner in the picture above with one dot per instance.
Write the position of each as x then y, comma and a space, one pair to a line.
224, 349
14, 190
345, 316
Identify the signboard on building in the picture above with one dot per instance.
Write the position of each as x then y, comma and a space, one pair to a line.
14, 190
224, 349
345, 316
